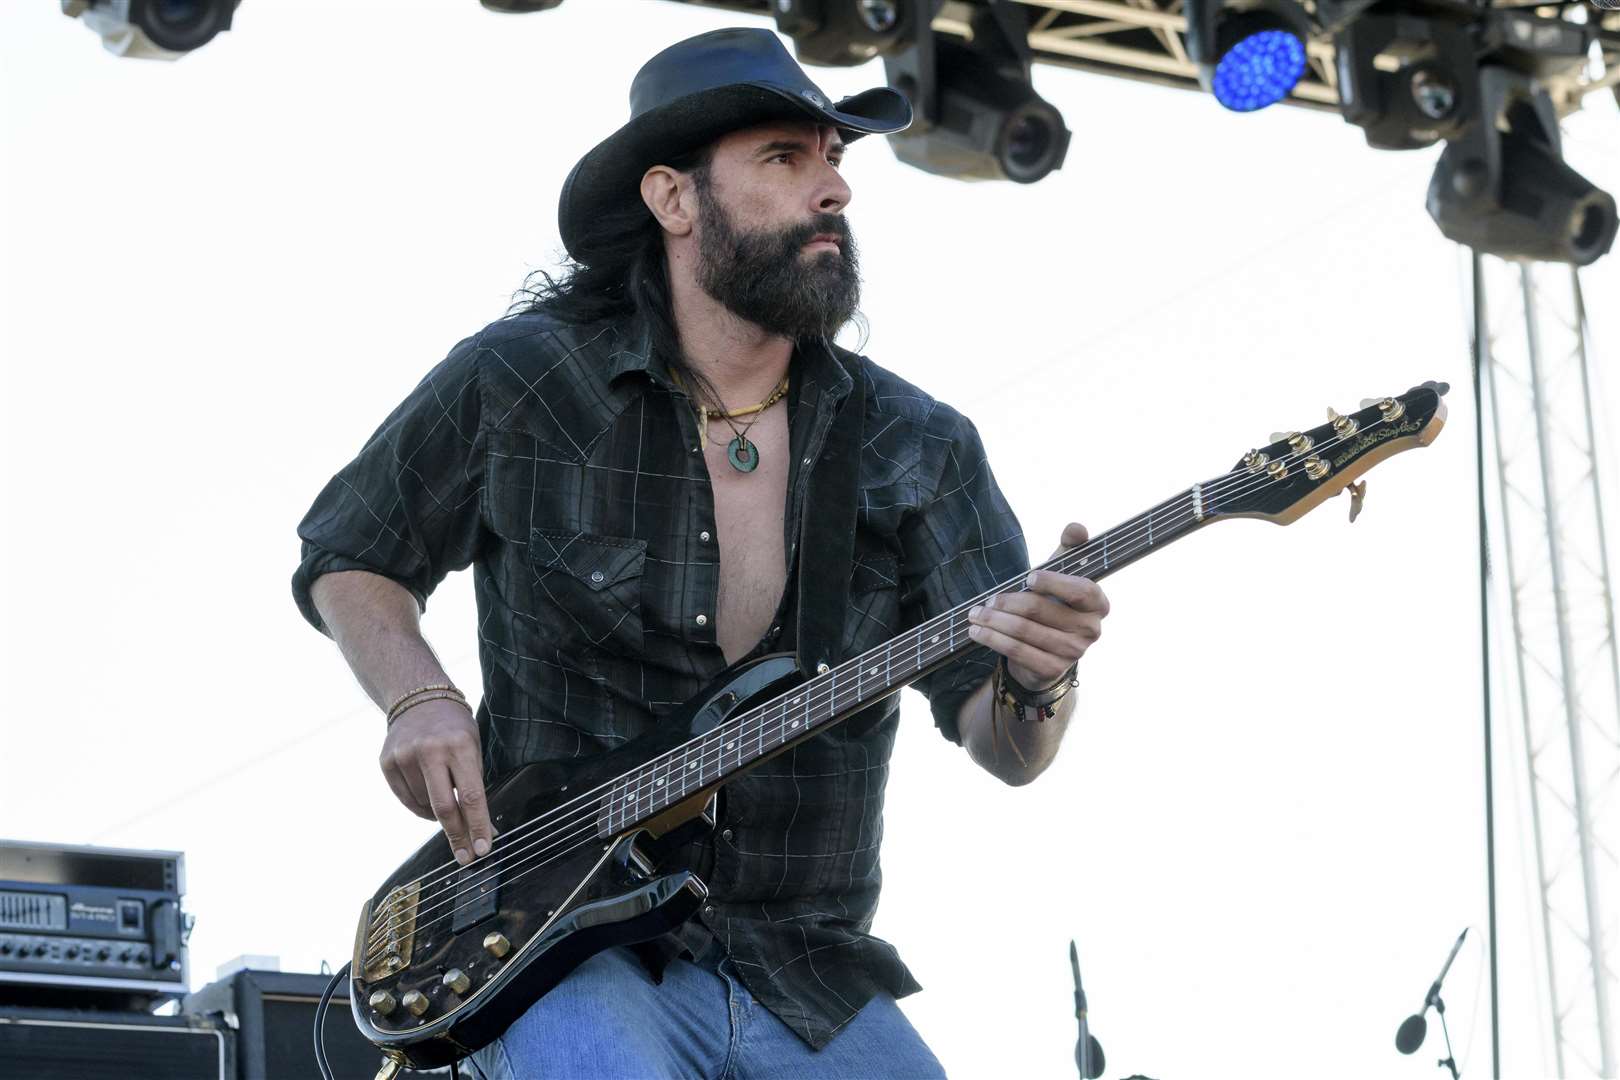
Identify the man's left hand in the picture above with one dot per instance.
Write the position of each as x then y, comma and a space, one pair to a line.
1045, 629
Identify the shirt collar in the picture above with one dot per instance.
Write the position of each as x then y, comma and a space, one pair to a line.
820, 372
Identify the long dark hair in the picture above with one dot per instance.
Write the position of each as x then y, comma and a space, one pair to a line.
619, 270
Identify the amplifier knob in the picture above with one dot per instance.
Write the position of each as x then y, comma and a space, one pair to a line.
41, 949
457, 980
416, 1002
125, 955
5, 948
383, 1002
103, 952
496, 943
72, 951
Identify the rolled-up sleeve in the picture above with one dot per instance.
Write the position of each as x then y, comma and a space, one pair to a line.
963, 539
409, 506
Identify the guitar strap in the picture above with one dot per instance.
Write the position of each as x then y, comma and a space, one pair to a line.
827, 533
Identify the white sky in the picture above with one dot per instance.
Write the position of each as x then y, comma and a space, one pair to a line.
1266, 826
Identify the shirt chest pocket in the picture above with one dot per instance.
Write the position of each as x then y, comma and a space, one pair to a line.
592, 586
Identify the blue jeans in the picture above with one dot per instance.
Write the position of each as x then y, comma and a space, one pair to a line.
608, 1020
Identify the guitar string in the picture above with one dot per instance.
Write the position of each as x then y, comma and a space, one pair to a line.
1222, 487
1247, 482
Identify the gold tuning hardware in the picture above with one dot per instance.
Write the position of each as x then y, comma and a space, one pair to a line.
415, 1002
392, 1063
1315, 467
1343, 426
456, 979
1357, 493
1392, 409
1300, 443
496, 943
1369, 402
1254, 460
1280, 436
382, 1002
1277, 470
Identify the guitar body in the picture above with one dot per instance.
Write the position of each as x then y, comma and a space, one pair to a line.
473, 947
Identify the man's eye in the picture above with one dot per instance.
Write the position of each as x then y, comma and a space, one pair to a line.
783, 156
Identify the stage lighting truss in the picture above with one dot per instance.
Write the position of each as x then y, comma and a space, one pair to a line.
1146, 40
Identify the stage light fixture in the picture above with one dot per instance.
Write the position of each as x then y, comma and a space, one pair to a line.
153, 29
1407, 82
976, 113
1251, 53
519, 7
841, 33
1504, 189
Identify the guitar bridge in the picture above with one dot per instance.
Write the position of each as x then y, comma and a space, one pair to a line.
393, 932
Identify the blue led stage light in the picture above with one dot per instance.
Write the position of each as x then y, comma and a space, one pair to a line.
1259, 70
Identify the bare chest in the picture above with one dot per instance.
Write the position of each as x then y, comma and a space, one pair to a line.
748, 513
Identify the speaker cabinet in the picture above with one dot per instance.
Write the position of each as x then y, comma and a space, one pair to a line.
73, 1044
273, 1014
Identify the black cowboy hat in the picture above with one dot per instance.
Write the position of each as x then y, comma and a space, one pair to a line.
698, 90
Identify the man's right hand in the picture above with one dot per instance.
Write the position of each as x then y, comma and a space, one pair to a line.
431, 760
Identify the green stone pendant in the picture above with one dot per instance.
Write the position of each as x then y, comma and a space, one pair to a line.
743, 455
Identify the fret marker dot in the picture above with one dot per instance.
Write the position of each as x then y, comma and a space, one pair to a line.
660, 782
796, 700
872, 671
691, 765
934, 640
730, 744
794, 724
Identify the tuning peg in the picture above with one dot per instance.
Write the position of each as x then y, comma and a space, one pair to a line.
1369, 402
1357, 492
1277, 437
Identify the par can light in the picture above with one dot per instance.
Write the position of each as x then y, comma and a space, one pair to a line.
1250, 53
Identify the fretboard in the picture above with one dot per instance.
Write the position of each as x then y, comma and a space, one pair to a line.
838, 693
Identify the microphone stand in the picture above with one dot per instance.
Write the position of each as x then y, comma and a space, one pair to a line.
1410, 1036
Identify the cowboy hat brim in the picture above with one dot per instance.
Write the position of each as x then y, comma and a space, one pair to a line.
610, 174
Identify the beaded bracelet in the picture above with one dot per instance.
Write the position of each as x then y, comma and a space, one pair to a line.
438, 692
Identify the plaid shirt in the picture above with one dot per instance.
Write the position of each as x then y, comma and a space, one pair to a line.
560, 463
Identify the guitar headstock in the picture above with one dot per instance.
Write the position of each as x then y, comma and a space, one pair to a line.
1289, 476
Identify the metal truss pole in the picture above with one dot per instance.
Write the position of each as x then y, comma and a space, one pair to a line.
1563, 616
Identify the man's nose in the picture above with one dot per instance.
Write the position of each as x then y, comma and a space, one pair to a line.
835, 194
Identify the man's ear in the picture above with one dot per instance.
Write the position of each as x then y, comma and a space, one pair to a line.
661, 189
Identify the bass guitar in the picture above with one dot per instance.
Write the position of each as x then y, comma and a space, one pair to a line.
447, 956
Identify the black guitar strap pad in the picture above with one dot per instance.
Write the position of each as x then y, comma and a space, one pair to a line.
827, 534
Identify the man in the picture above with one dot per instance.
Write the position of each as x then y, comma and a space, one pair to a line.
657, 470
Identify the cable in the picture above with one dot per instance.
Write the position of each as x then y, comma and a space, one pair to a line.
320, 1020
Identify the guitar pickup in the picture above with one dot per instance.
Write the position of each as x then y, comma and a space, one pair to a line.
478, 891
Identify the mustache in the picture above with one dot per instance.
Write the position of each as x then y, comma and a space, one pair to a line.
818, 225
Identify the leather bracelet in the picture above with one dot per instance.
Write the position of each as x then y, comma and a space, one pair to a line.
1047, 695
1018, 697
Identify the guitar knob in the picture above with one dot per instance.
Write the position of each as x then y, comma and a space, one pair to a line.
382, 1002
415, 1002
496, 943
456, 979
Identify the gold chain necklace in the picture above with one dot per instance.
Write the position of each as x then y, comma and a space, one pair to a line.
743, 455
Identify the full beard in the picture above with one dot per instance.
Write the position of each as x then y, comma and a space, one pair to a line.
766, 278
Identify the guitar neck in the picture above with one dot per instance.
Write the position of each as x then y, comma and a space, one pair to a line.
833, 695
